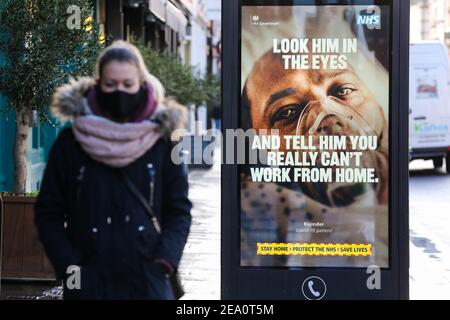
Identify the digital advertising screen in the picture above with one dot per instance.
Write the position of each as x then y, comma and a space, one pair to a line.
315, 86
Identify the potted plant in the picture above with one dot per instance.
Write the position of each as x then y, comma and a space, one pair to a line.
23, 256
42, 44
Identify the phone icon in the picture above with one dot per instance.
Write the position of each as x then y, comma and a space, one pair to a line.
314, 288
314, 292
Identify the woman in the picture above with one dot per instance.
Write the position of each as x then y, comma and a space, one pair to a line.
86, 214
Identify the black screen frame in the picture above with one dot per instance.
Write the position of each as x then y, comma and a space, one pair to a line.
246, 282
324, 3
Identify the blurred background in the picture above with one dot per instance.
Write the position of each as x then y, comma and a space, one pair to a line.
42, 45
429, 145
180, 41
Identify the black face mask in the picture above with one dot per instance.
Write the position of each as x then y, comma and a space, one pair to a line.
121, 105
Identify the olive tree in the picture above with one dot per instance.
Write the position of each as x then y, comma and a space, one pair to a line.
42, 44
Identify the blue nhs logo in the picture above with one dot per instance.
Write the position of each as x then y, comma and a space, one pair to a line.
369, 20
371, 17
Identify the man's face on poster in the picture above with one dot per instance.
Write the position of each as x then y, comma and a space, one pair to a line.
329, 102
317, 103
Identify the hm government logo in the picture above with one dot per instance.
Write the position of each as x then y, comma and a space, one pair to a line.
371, 18
256, 21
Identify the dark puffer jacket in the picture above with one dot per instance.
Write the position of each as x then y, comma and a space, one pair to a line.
87, 216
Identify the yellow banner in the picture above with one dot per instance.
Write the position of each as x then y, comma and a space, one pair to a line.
314, 249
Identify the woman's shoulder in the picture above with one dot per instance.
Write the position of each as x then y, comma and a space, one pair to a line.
171, 117
163, 145
162, 151
66, 153
66, 135
70, 99
66, 142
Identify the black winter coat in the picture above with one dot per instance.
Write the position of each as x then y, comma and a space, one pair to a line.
86, 216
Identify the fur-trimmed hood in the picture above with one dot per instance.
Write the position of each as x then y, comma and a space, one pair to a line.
70, 100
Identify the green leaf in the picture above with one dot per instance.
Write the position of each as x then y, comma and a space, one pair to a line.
40, 52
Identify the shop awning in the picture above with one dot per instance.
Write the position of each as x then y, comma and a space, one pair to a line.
189, 4
158, 8
176, 19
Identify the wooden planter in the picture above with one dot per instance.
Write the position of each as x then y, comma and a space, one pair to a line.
23, 254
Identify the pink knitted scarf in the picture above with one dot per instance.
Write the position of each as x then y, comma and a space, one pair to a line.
114, 144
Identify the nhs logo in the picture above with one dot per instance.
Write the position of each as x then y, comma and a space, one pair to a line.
370, 17
368, 20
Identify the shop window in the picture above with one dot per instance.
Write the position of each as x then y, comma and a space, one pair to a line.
38, 137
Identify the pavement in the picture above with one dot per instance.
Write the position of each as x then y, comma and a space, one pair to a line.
429, 234
200, 265
429, 231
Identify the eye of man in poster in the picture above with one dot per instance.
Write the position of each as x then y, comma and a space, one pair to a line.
315, 86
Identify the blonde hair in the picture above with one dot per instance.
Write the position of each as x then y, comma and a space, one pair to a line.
126, 52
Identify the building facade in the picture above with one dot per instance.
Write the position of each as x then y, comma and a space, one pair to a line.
181, 28
430, 20
214, 14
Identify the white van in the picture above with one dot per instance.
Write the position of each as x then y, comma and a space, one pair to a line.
429, 114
